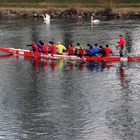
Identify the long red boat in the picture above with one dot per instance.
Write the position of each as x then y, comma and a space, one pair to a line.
28, 53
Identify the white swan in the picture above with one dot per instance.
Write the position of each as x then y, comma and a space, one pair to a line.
96, 21
46, 18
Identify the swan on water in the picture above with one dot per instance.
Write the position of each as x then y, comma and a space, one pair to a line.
46, 17
96, 21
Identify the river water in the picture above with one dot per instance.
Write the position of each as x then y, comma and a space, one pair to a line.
69, 100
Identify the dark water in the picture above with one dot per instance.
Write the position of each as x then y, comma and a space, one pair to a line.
65, 100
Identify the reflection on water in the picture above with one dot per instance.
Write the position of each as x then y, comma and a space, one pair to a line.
120, 118
121, 73
98, 66
60, 64
55, 106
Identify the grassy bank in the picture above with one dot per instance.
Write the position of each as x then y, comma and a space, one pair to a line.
71, 8
71, 3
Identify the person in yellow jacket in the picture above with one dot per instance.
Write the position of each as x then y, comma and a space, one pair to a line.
60, 48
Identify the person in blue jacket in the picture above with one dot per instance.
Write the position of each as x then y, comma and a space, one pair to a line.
96, 50
89, 52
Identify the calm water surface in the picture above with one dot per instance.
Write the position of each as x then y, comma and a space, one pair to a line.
65, 100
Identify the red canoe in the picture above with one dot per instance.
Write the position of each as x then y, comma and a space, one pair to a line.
27, 53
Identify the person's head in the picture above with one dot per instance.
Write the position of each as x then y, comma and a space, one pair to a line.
88, 45
101, 46
41, 42
51, 42
71, 45
106, 45
96, 44
78, 44
121, 35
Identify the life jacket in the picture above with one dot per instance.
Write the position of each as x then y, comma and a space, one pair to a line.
70, 51
108, 51
35, 47
53, 49
81, 52
122, 42
44, 48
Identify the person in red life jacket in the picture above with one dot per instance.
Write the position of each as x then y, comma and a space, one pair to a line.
121, 45
49, 45
71, 50
81, 53
108, 51
53, 48
34, 47
43, 47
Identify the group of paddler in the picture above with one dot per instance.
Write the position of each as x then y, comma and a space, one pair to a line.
78, 50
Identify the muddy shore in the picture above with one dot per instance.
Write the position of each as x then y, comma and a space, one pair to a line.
73, 13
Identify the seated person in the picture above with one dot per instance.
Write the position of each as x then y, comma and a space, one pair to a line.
96, 50
60, 48
89, 51
108, 51
71, 50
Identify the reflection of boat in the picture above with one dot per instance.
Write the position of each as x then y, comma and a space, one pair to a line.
98, 66
28, 53
44, 64
5, 56
121, 74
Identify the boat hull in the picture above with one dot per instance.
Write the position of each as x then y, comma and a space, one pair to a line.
28, 53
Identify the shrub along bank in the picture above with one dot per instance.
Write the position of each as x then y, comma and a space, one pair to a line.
70, 8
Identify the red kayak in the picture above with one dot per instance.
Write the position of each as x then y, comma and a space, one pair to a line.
28, 53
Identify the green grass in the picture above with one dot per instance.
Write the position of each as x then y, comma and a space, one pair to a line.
67, 3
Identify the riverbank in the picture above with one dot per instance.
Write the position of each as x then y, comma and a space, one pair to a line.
71, 12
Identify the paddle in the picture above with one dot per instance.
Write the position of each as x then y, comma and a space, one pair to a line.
28, 44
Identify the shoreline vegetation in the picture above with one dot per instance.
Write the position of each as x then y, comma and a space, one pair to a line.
74, 9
